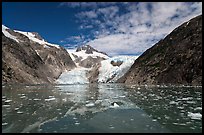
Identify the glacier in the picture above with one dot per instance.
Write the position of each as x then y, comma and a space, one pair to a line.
110, 73
75, 76
107, 72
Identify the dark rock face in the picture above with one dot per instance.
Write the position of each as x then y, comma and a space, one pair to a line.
116, 63
90, 62
31, 63
177, 59
93, 73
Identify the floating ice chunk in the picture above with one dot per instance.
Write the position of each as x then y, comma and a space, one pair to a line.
198, 108
173, 102
196, 116
191, 102
76, 123
19, 112
7, 101
4, 124
115, 105
36, 99
122, 96
187, 98
6, 105
50, 99
23, 97
154, 120
16, 108
90, 104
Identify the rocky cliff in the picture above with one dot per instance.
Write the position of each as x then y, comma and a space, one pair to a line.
177, 59
27, 58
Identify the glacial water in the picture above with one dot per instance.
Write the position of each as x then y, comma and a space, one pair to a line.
93, 108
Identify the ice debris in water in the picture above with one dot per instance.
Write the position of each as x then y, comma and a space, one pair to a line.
7, 101
196, 116
90, 104
50, 99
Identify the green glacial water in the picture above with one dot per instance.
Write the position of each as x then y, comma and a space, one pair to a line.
92, 108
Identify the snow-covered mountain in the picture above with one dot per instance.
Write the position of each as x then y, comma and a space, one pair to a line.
86, 56
28, 58
33, 36
51, 63
95, 67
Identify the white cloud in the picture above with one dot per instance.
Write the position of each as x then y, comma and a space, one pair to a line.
78, 38
86, 4
89, 14
122, 28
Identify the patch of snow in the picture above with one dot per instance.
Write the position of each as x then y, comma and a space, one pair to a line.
84, 55
32, 37
7, 34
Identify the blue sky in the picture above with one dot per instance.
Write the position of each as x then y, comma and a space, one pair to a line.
113, 27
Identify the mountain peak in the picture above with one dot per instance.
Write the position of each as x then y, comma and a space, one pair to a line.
87, 48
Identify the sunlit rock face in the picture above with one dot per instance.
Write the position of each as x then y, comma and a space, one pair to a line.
177, 59
27, 58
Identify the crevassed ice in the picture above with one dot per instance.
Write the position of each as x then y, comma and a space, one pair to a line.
107, 70
75, 76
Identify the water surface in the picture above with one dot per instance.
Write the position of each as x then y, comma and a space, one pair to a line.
89, 108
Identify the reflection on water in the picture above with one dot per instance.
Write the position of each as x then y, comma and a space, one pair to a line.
91, 108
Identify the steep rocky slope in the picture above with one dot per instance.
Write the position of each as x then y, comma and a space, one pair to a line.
177, 59
27, 58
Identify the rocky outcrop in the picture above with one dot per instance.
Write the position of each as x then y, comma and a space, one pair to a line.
177, 59
116, 63
27, 61
93, 74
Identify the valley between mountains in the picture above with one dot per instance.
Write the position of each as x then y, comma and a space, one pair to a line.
177, 59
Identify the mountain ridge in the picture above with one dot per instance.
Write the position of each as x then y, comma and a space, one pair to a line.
29, 60
176, 59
